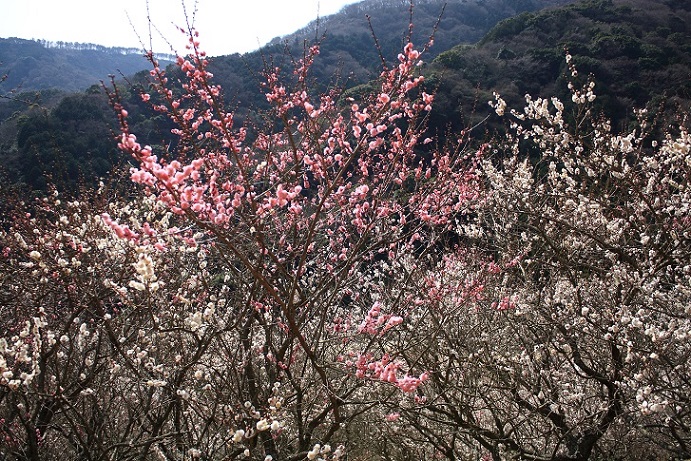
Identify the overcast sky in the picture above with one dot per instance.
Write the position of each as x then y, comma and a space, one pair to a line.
225, 26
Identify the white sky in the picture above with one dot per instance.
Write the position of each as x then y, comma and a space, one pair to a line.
225, 26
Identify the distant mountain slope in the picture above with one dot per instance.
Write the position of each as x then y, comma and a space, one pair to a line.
638, 52
460, 21
348, 49
30, 65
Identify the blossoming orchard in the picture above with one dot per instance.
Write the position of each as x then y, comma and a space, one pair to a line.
334, 282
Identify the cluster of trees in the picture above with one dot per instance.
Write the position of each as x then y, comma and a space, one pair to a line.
78, 46
68, 140
335, 283
65, 145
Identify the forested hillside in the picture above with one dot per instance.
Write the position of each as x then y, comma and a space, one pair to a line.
30, 65
637, 51
349, 54
72, 148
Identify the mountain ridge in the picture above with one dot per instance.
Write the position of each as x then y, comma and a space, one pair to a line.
32, 65
350, 55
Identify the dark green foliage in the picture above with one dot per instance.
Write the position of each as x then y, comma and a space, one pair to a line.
50, 137
69, 145
508, 27
636, 50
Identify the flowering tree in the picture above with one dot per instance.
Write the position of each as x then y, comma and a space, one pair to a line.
253, 302
578, 347
320, 215
87, 356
